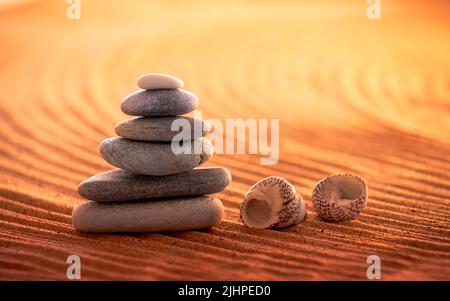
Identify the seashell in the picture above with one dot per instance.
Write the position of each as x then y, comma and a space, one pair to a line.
340, 197
272, 203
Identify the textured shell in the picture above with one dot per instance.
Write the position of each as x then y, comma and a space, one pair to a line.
292, 209
326, 190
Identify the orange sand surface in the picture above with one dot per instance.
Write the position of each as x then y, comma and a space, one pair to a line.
354, 95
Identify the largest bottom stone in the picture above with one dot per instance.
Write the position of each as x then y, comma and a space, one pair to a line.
149, 216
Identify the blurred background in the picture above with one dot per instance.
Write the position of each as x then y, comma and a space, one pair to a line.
371, 97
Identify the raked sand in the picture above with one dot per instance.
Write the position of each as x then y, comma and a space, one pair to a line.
352, 95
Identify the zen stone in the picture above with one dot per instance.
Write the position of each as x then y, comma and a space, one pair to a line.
154, 216
159, 128
154, 158
121, 185
159, 103
151, 81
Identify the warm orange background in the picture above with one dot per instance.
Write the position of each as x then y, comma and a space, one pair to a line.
367, 97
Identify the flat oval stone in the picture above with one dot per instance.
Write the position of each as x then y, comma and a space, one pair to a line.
149, 216
151, 81
121, 185
159, 128
152, 103
154, 158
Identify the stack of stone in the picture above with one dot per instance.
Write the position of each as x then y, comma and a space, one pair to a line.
156, 188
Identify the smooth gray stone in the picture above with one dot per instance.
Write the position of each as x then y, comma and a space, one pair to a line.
159, 128
153, 158
165, 102
121, 185
154, 216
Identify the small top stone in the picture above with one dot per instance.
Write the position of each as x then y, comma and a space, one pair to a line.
154, 81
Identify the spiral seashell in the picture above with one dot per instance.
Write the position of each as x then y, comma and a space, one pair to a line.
340, 197
272, 203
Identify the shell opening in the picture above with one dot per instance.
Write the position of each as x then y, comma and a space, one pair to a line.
347, 188
272, 203
343, 189
258, 213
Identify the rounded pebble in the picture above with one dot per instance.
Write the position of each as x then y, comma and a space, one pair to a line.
121, 185
154, 158
159, 128
150, 216
152, 103
152, 81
